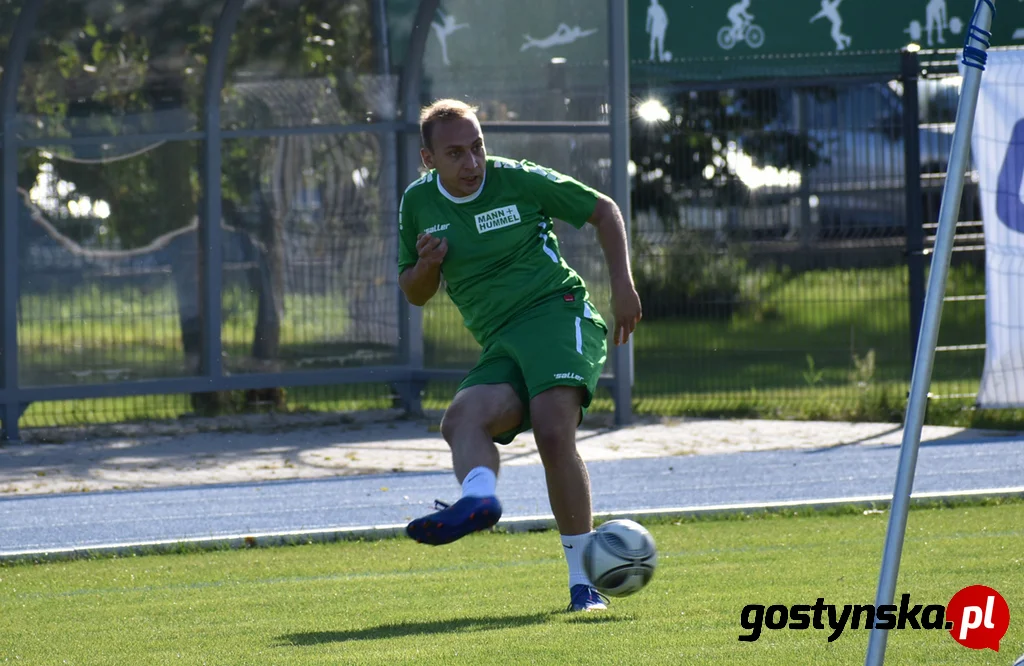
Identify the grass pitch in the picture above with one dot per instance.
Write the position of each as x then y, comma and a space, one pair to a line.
498, 598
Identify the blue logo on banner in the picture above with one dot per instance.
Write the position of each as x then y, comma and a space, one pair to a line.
1008, 204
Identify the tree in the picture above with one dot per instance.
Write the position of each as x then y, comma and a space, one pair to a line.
293, 65
104, 67
685, 154
685, 150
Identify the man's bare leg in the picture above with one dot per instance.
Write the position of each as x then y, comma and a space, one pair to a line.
476, 415
555, 415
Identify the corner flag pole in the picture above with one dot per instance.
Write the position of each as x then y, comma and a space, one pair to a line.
974, 57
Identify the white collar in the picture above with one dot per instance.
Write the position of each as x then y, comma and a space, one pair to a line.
469, 197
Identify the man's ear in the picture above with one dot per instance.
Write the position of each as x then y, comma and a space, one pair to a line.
427, 158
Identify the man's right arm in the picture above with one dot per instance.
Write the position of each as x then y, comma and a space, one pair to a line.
419, 257
419, 282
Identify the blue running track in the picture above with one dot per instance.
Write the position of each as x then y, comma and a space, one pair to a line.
384, 503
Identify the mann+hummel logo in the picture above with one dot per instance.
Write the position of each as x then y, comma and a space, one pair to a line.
497, 219
437, 227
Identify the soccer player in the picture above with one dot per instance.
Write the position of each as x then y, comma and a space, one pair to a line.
484, 224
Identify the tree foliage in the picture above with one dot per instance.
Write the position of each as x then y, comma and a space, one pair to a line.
685, 158
101, 68
126, 69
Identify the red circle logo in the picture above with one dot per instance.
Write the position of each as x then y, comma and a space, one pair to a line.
978, 617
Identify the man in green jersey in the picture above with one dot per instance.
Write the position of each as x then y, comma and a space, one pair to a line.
485, 224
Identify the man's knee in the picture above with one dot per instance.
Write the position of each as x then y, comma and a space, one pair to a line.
461, 415
555, 415
493, 408
451, 422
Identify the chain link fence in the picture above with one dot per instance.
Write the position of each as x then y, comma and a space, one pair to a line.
775, 249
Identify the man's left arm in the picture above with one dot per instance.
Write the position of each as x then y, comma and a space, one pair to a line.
611, 233
567, 199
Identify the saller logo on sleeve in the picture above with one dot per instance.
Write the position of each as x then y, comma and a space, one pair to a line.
497, 219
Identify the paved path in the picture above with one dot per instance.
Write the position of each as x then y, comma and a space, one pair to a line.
217, 486
199, 453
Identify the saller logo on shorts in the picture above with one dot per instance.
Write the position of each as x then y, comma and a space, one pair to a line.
568, 375
497, 219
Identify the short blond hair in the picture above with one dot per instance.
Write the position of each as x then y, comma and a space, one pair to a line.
439, 111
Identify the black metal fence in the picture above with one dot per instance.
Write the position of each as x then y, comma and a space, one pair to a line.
779, 246
199, 199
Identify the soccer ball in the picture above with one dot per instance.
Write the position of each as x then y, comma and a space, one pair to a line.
620, 558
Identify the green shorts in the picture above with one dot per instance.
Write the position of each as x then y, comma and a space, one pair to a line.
557, 343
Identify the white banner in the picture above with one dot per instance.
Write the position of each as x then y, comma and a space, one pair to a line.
998, 153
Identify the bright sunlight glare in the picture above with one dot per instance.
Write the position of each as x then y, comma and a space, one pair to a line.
48, 192
755, 177
653, 111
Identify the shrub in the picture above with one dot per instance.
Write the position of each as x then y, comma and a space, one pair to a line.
687, 276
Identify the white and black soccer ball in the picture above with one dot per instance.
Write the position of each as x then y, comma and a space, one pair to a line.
620, 558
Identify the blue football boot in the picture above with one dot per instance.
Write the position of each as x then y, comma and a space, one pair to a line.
586, 598
452, 522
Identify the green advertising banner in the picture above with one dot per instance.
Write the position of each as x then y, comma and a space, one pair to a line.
735, 39
504, 35
665, 30
691, 39
510, 56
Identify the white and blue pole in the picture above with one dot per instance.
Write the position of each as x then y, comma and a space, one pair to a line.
975, 56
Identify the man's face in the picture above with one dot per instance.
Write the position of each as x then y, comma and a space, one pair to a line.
458, 155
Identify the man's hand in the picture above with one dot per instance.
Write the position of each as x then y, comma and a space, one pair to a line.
431, 250
420, 282
626, 310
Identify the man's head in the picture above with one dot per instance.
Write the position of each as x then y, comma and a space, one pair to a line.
454, 145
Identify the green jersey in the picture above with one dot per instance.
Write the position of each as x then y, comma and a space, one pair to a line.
503, 256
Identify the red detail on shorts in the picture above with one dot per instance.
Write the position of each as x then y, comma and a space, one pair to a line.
568, 298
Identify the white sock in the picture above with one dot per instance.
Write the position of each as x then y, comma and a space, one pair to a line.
480, 482
572, 546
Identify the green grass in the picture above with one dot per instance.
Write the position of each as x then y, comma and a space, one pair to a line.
497, 598
830, 316
822, 345
137, 332
832, 345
